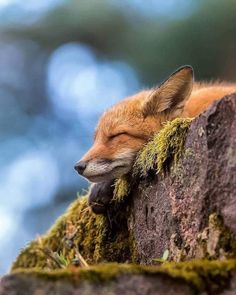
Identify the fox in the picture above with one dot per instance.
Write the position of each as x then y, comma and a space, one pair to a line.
128, 125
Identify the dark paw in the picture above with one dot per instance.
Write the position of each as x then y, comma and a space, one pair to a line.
100, 196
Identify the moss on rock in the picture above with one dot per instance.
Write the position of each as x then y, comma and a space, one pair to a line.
158, 154
165, 148
201, 275
77, 230
122, 189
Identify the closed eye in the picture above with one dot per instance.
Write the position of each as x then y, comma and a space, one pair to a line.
117, 134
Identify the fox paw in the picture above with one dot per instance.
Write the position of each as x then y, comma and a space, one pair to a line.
100, 196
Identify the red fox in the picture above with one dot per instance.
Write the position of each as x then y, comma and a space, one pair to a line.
127, 126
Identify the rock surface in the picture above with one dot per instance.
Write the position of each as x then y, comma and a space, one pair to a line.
199, 277
172, 212
125, 284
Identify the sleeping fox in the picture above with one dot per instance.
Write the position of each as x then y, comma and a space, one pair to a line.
124, 128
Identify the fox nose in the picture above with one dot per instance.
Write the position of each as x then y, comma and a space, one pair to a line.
80, 167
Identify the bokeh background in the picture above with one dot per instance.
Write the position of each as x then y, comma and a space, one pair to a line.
62, 63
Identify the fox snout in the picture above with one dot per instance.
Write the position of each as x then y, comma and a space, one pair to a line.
94, 169
80, 167
125, 128
100, 169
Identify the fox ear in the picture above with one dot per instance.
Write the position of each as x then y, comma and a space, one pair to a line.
171, 94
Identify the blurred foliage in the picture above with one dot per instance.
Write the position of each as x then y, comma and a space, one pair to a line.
128, 44
154, 46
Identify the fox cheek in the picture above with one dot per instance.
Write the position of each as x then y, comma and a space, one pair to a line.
125, 155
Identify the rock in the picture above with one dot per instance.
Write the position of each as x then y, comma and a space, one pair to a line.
175, 211
199, 277
125, 284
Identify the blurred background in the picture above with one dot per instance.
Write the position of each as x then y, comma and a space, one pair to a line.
62, 63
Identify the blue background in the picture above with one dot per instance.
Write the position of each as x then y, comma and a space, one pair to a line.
62, 63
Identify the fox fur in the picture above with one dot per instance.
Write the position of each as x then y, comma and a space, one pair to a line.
124, 128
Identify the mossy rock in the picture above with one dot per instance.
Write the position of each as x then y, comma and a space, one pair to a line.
200, 275
90, 234
78, 229
215, 241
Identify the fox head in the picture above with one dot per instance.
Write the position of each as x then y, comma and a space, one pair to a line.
124, 128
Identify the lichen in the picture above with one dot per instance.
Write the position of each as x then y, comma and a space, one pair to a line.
177, 248
165, 148
78, 229
216, 240
201, 275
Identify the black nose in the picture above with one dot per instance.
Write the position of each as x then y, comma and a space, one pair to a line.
80, 167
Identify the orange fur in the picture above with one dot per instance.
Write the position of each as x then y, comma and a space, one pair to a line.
203, 95
126, 127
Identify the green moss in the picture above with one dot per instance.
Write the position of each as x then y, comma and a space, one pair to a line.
77, 230
165, 147
94, 274
122, 189
202, 275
